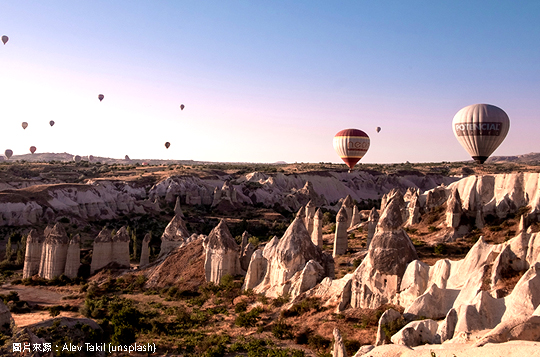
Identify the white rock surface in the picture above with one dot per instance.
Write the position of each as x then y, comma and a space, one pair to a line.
221, 254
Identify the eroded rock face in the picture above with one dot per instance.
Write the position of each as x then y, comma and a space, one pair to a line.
373, 220
316, 235
376, 281
73, 258
339, 346
453, 210
109, 248
145, 251
54, 253
287, 256
416, 333
32, 258
341, 236
174, 236
221, 254
388, 317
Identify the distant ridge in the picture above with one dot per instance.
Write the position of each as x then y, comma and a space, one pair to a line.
48, 156
526, 158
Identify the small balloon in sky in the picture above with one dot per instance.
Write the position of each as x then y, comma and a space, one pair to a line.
77, 158
378, 129
351, 145
51, 123
480, 129
32, 149
8, 153
182, 106
100, 97
24, 125
5, 39
90, 158
167, 144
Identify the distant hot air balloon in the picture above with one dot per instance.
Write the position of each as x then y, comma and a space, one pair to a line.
167, 144
8, 153
77, 158
51, 123
351, 145
24, 125
32, 149
182, 106
480, 129
378, 129
100, 97
5, 39
90, 158
127, 158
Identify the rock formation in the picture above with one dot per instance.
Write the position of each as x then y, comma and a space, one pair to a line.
174, 236
390, 316
225, 198
341, 237
377, 279
316, 235
348, 204
339, 346
310, 214
145, 250
413, 210
178, 208
110, 249
355, 217
54, 253
221, 254
245, 256
373, 220
453, 210
73, 258
286, 260
32, 258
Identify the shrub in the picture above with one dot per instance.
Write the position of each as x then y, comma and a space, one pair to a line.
282, 330
248, 319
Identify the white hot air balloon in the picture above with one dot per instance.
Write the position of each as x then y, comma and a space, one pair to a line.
480, 129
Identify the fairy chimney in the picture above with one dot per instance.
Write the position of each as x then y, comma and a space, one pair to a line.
73, 258
54, 253
145, 251
310, 212
373, 220
178, 208
454, 210
348, 204
316, 235
175, 235
120, 248
221, 254
340, 240
102, 251
32, 258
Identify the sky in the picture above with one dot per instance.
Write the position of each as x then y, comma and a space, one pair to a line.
264, 81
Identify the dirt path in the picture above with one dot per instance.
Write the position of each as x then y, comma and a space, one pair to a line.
34, 295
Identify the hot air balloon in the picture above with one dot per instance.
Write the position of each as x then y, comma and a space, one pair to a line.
77, 158
90, 158
5, 39
351, 145
32, 149
8, 153
100, 97
480, 129
24, 124
182, 106
51, 123
378, 129
167, 144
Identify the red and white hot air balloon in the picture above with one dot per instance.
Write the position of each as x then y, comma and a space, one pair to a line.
351, 145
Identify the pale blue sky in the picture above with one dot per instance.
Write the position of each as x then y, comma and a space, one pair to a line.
264, 81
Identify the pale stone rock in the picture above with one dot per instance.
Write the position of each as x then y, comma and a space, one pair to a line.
416, 333
120, 248
145, 251
316, 235
221, 254
376, 281
484, 312
256, 270
387, 317
305, 279
348, 204
73, 258
447, 327
341, 238
310, 215
373, 220
54, 253
434, 303
435, 197
178, 208
525, 298
518, 328
245, 257
356, 217
413, 210
414, 282
339, 346
32, 258
174, 236
453, 210
289, 255
334, 292
102, 251
245, 241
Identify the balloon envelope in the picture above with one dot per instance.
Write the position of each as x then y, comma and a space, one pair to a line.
24, 125
167, 144
5, 39
351, 145
51, 123
182, 106
77, 158
480, 129
32, 149
8, 153
100, 97
378, 129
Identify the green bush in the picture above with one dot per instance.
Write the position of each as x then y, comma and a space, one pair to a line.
248, 319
